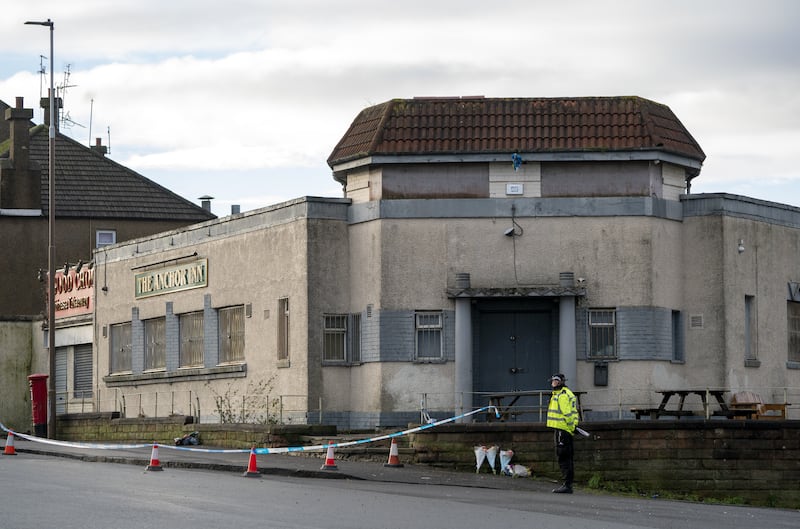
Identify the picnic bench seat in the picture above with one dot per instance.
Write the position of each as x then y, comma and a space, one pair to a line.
747, 400
736, 412
655, 413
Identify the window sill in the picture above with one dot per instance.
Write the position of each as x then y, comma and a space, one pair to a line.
184, 374
792, 365
430, 360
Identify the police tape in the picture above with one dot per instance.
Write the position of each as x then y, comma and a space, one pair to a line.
278, 450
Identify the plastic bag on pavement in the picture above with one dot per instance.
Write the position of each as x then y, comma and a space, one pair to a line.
188, 439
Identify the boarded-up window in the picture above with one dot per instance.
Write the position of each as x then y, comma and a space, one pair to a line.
82, 374
355, 338
155, 344
231, 334
120, 345
191, 331
283, 329
793, 310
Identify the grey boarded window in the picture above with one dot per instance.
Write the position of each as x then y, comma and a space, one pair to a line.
191, 332
82, 374
231, 334
120, 348
155, 349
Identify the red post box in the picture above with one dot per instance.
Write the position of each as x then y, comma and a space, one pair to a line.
38, 383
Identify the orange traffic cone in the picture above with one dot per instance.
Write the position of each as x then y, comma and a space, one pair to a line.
394, 457
252, 469
9, 451
330, 462
155, 464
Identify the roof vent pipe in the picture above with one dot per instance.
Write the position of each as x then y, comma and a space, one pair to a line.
205, 202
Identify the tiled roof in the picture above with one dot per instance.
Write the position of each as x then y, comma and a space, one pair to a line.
89, 184
476, 125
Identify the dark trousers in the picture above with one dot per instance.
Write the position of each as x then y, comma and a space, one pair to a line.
565, 451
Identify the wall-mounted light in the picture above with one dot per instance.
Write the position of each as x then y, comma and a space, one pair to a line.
515, 230
740, 248
79, 266
66, 268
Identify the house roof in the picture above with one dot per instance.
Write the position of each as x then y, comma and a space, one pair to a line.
89, 184
477, 125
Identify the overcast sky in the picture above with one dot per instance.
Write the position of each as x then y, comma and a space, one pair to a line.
244, 100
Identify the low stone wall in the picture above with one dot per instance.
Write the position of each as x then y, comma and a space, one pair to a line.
109, 427
757, 462
753, 461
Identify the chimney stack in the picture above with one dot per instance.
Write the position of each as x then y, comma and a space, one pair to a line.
235, 209
98, 147
20, 185
19, 134
45, 104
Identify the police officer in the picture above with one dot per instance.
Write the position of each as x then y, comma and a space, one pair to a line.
562, 416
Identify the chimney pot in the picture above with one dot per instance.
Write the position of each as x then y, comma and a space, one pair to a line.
98, 147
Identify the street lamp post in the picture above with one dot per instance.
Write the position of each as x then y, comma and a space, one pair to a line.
51, 249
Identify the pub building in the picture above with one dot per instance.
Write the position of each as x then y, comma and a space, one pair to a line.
480, 245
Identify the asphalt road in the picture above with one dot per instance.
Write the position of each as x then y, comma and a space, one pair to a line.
43, 491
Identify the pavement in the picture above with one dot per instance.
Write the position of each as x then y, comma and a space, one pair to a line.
302, 465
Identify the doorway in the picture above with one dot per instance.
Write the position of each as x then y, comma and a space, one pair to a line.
516, 347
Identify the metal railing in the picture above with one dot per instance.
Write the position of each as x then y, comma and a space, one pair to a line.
602, 404
597, 404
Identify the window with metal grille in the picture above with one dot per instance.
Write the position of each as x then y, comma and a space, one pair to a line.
355, 338
429, 335
334, 338
750, 347
191, 332
155, 344
231, 334
120, 348
602, 333
793, 312
677, 337
283, 329
82, 371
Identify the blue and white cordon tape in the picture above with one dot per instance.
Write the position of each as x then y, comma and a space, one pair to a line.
280, 450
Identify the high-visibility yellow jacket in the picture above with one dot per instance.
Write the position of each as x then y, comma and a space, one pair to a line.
563, 410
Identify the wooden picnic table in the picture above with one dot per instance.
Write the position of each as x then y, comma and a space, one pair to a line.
663, 409
506, 403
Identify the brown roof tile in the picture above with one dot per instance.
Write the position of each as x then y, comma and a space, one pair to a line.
483, 126
90, 185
